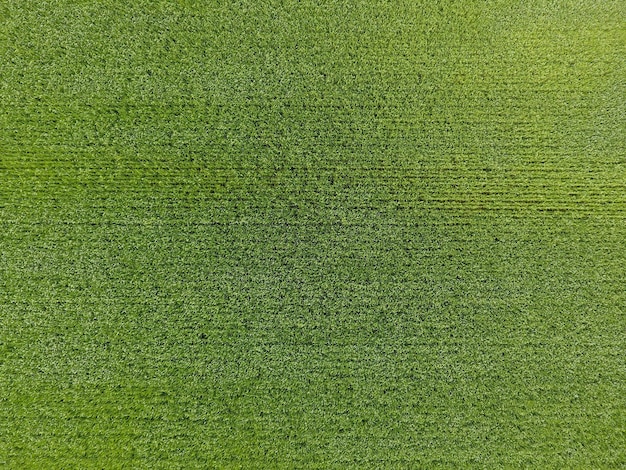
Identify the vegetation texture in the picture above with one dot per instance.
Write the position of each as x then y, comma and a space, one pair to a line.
312, 234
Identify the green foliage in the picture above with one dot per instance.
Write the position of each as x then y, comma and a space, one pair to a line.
304, 234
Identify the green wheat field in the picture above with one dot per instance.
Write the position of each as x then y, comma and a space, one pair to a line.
315, 234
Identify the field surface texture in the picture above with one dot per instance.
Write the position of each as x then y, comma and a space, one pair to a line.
312, 234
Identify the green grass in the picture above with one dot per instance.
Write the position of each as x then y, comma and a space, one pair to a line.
304, 234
